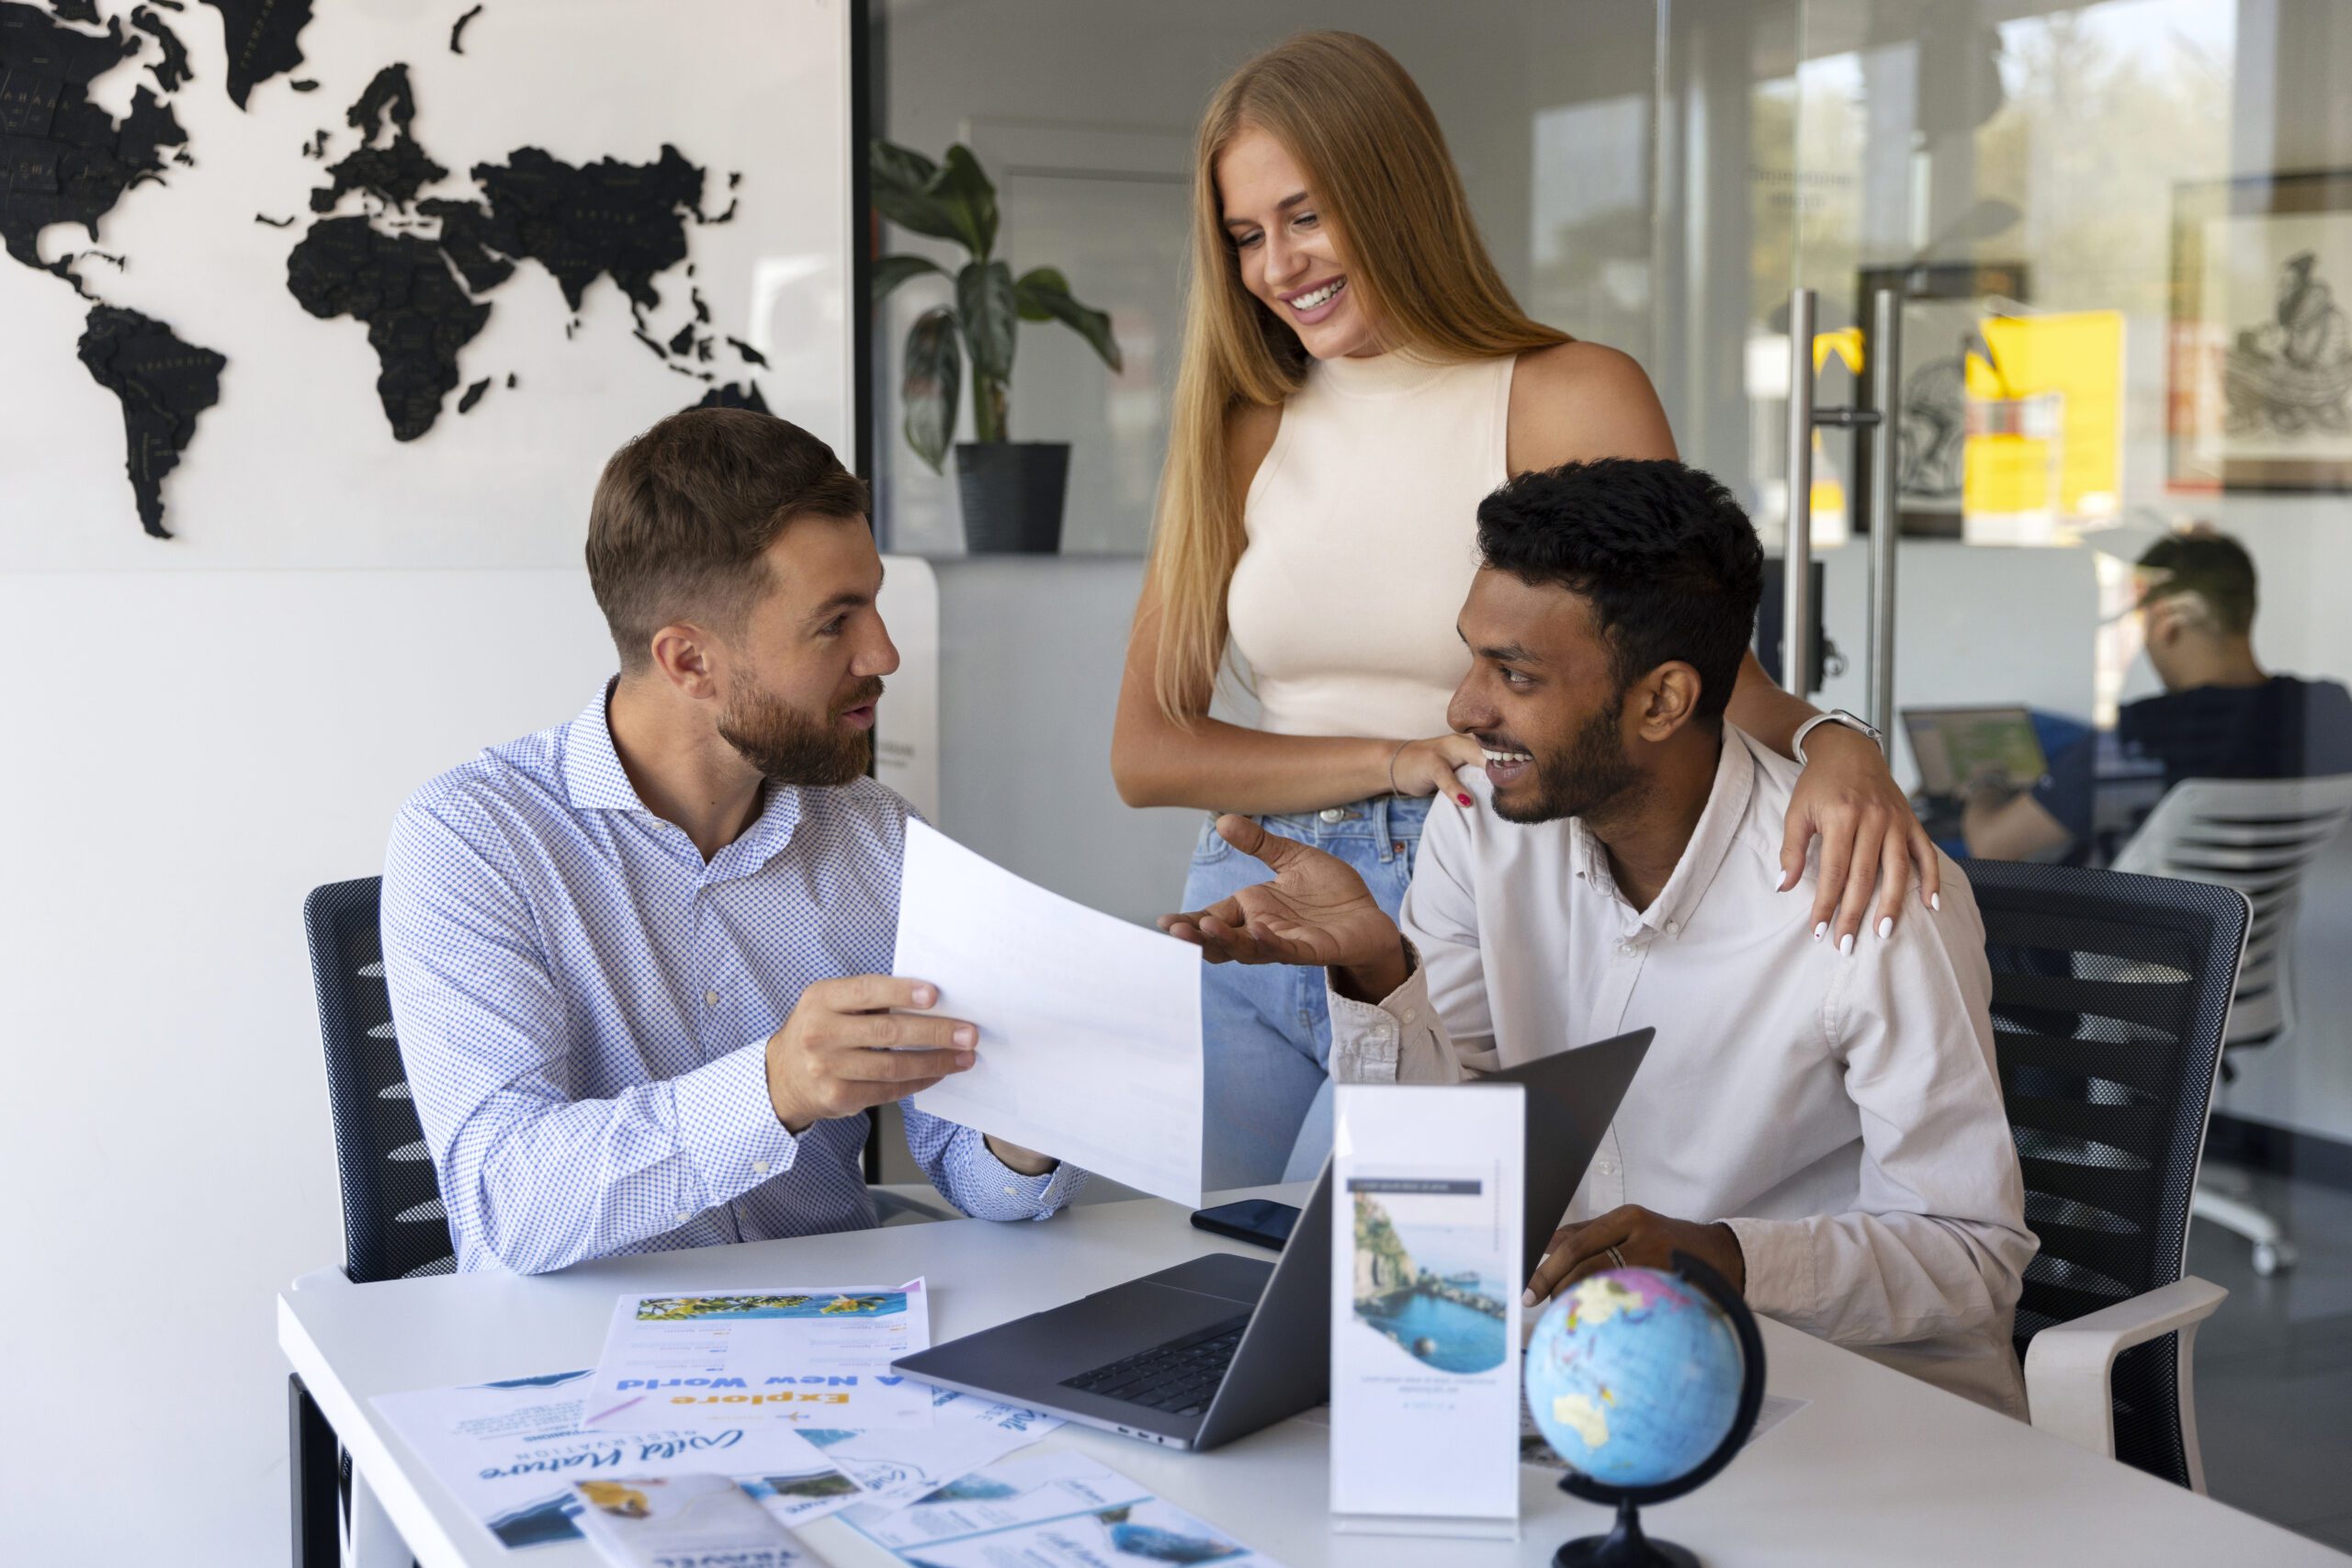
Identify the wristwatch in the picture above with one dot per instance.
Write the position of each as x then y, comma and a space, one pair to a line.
1835, 715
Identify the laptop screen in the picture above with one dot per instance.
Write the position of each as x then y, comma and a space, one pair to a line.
1953, 746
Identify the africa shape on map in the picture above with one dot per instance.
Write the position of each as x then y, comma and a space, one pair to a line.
415, 271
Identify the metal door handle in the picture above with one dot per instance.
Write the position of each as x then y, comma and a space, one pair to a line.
1884, 354
1878, 423
1796, 554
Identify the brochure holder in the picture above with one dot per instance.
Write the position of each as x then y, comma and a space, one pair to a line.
1426, 1201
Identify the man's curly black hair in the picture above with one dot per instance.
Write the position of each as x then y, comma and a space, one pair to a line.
1664, 556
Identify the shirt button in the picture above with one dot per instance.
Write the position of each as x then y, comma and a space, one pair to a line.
1332, 814
1626, 947
681, 1217
1412, 1015
1607, 1168
711, 998
1012, 1191
759, 1167
1674, 928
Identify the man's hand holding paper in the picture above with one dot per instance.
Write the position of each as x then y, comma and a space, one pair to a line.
1089, 1027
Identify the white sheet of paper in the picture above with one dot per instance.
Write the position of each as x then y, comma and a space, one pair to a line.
795, 1357
1060, 1510
897, 1467
509, 1451
1090, 1044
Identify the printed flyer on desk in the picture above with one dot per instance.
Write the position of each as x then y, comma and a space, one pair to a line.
1058, 1510
1426, 1276
686, 1521
795, 1357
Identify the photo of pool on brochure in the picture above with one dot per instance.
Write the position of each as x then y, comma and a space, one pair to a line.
796, 1356
1426, 1278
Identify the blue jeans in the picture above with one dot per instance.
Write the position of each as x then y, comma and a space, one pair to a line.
1266, 1031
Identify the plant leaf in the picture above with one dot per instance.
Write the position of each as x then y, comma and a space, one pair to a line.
984, 299
1043, 295
903, 192
902, 168
1038, 278
964, 192
892, 271
933, 382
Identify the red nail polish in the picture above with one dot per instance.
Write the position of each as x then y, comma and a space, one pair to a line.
1464, 799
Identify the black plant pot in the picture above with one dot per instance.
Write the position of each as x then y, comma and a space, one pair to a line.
1012, 494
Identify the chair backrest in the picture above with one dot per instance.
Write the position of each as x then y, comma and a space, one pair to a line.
2257, 836
2110, 996
393, 1224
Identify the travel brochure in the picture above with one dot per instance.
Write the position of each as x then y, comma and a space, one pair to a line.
894, 1467
1426, 1276
1058, 1510
806, 1357
512, 1450
686, 1521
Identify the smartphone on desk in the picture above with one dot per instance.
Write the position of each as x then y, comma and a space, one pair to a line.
1261, 1222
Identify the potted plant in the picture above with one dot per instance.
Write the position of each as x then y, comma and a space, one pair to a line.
1011, 490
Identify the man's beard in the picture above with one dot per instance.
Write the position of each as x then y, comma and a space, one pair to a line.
788, 747
1593, 773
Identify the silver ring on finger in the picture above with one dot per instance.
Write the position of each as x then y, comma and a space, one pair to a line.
1616, 1258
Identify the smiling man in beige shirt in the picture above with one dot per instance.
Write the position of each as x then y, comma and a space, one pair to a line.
1821, 1123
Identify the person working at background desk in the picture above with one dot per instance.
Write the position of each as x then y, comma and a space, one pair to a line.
1820, 1123
638, 962
2221, 715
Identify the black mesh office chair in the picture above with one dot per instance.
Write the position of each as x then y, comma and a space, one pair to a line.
2110, 998
393, 1224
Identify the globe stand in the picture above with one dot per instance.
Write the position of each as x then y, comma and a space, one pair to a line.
1625, 1546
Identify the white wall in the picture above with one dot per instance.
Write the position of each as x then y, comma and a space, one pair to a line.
192, 752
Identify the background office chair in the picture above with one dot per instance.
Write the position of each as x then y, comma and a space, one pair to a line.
2257, 836
2111, 994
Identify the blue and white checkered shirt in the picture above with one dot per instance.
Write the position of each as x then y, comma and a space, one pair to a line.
583, 1006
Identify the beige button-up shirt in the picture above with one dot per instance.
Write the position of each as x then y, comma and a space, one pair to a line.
1841, 1113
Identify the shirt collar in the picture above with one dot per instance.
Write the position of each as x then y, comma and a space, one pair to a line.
594, 779
1711, 840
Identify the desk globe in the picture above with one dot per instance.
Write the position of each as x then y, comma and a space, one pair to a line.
1647, 1384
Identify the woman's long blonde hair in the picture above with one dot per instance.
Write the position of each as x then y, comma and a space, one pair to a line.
1386, 186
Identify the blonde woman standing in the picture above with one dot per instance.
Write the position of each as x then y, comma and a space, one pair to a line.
1355, 376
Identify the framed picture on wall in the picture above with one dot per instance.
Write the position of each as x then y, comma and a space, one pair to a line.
1942, 304
2261, 345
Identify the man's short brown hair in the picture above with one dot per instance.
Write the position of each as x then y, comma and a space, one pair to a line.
684, 514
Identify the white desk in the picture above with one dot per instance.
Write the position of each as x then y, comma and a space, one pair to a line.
1877, 1470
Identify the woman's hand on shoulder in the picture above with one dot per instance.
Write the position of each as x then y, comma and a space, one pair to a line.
1575, 401
1869, 839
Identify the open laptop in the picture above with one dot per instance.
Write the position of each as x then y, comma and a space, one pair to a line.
1952, 746
1214, 1349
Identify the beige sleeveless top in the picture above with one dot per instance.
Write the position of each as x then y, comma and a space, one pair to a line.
1363, 539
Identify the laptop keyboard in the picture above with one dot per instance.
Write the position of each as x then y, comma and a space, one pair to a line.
1180, 1377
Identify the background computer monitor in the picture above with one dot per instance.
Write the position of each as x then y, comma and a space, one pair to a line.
1952, 746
